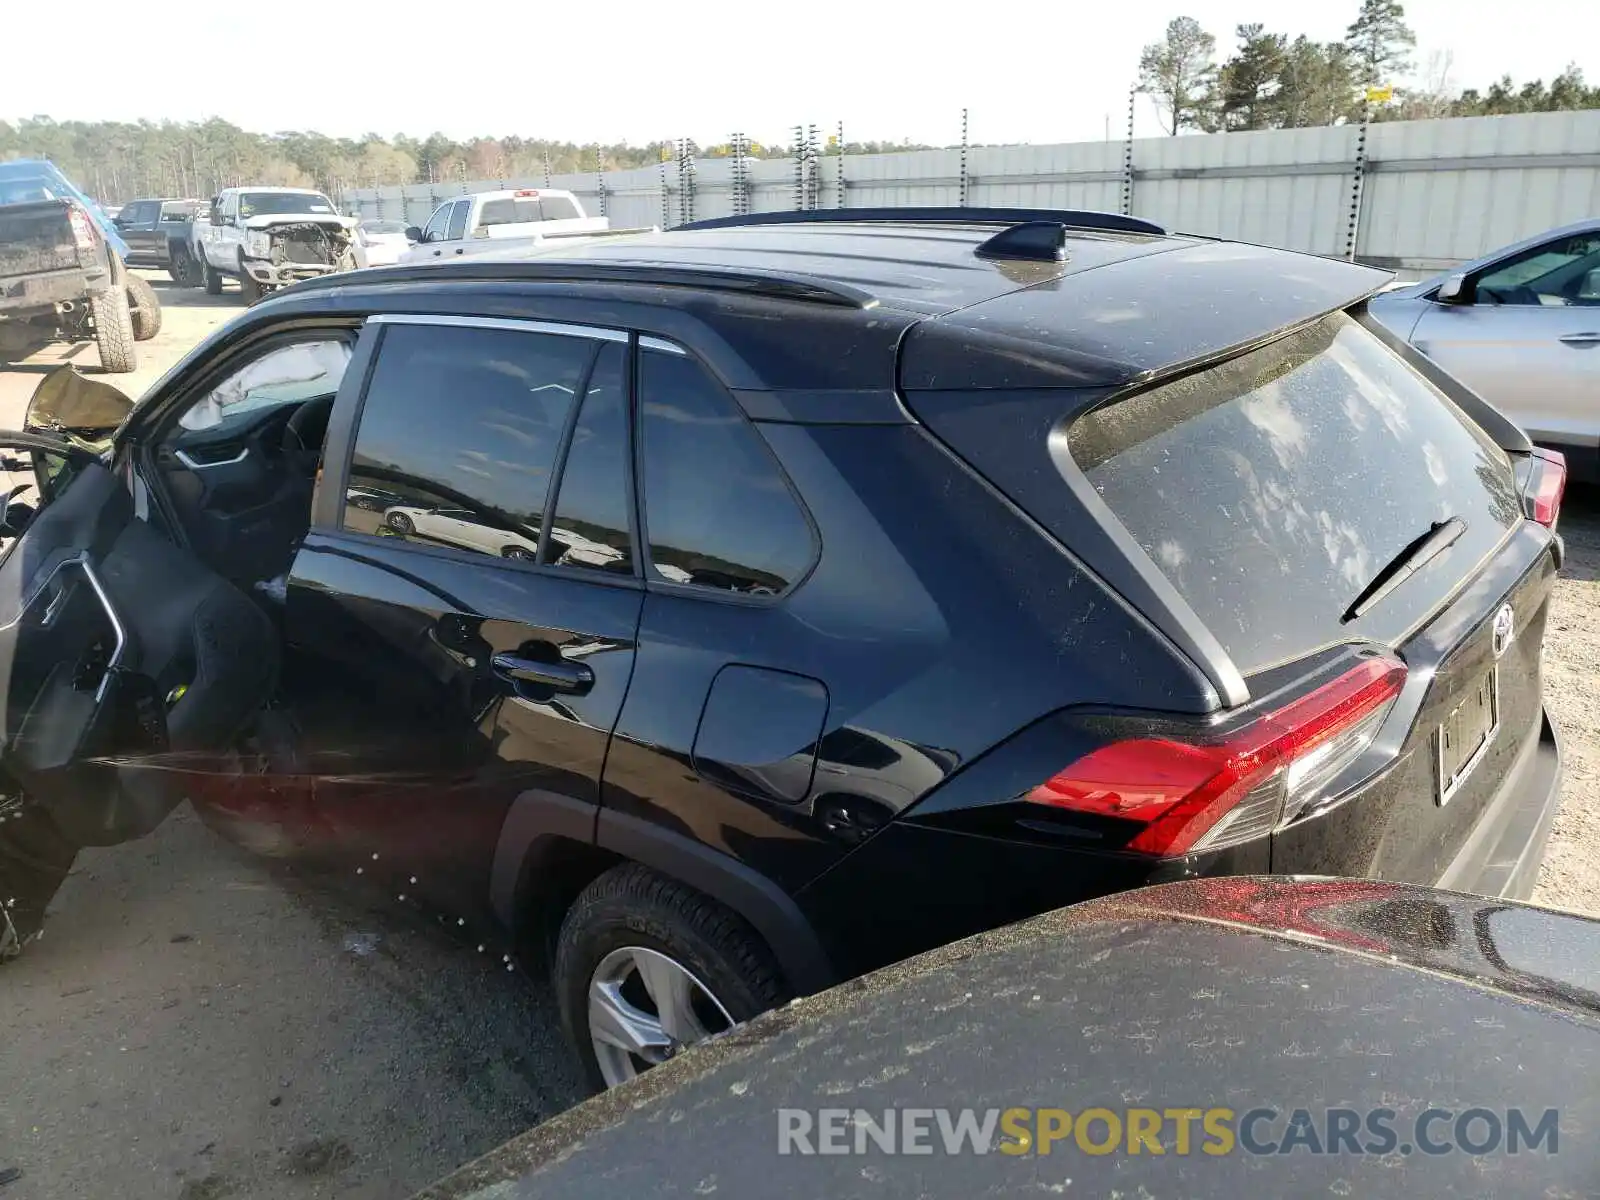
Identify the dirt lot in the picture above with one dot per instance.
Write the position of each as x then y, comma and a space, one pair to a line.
198, 1024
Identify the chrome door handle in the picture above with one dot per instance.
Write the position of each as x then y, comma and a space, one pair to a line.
1583, 339
558, 676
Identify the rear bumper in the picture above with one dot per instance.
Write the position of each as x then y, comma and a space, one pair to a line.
49, 288
1503, 855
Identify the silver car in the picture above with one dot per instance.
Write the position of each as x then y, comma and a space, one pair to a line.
1521, 327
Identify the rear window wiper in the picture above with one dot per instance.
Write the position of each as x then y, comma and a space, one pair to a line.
1440, 537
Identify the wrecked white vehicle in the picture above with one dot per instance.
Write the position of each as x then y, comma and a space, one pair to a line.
268, 238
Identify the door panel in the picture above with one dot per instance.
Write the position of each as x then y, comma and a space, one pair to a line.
435, 680
424, 741
1538, 364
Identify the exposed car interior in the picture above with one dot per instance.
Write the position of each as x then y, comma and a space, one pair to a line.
240, 464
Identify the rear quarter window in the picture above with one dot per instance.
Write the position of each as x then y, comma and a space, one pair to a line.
1270, 490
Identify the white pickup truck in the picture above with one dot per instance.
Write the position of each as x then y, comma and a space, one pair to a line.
496, 221
269, 237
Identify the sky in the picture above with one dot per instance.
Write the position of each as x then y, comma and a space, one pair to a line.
1050, 72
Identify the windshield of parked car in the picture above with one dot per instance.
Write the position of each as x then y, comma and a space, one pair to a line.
262, 204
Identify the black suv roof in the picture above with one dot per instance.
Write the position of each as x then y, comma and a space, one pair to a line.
1122, 302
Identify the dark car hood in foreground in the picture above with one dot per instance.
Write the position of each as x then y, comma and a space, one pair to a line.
1237, 993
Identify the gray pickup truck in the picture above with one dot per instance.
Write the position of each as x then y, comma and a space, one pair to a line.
158, 234
62, 271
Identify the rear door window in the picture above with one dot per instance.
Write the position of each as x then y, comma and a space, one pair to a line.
458, 221
1272, 489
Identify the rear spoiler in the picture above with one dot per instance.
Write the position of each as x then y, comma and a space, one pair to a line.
1504, 432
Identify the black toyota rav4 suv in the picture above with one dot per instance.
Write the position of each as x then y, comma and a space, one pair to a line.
719, 613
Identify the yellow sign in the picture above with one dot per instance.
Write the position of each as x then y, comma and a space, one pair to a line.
1380, 95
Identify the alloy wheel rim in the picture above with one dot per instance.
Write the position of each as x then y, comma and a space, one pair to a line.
644, 1008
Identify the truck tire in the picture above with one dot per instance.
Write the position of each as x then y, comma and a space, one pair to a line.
182, 267
113, 329
213, 278
146, 308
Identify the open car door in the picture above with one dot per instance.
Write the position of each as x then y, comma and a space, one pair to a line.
126, 667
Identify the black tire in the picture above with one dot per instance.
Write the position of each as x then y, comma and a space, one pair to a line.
34, 860
520, 553
251, 290
182, 268
145, 308
632, 906
212, 278
113, 327
400, 523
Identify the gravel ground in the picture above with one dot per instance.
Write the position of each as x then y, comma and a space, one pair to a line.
200, 1024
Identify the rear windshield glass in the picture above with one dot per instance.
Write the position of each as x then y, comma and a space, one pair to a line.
508, 211
1272, 489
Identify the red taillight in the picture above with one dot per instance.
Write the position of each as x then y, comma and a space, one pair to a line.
1541, 499
1202, 795
83, 231
526, 194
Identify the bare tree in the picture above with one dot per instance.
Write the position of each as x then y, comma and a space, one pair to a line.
1180, 75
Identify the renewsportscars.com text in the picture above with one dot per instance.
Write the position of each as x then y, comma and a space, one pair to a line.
1211, 1131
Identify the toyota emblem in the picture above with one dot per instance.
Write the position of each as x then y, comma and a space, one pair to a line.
1504, 627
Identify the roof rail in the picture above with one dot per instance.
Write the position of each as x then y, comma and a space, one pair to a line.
1072, 218
794, 286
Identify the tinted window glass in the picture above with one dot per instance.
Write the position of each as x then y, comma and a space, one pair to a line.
591, 522
558, 208
1563, 272
463, 419
508, 211
458, 220
1274, 488
718, 510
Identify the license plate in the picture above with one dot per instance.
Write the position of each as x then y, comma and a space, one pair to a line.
1464, 736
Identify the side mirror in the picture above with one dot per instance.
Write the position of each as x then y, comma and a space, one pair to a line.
216, 216
1453, 290
413, 234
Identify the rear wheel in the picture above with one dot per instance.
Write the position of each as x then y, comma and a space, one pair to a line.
145, 308
212, 279
113, 329
646, 966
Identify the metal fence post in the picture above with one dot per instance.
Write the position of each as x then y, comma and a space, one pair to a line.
1358, 183
1127, 157
666, 212
839, 177
685, 180
799, 168
963, 200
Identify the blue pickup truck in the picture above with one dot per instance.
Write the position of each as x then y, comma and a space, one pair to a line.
63, 272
